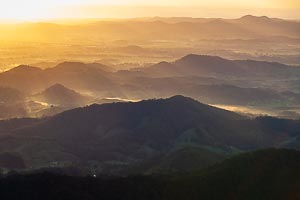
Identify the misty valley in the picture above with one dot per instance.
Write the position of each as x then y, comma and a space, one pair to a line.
245, 86
150, 108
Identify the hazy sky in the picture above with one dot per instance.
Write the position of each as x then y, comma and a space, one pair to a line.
45, 9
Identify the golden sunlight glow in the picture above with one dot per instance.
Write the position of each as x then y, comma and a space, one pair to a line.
46, 9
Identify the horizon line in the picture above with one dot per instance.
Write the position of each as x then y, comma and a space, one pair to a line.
86, 19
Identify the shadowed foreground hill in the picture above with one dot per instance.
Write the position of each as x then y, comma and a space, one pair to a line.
267, 174
112, 137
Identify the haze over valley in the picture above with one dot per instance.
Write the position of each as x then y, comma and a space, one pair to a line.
149, 100
247, 86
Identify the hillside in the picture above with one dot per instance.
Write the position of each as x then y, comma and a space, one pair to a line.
209, 79
111, 137
10, 96
247, 176
59, 95
79, 76
205, 65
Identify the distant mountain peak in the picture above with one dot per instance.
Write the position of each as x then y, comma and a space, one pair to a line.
24, 68
58, 94
58, 88
252, 17
195, 57
180, 98
190, 56
72, 65
163, 63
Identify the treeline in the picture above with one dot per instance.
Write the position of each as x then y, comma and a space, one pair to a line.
266, 174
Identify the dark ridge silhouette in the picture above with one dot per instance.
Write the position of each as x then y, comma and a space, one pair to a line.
246, 176
266, 174
120, 135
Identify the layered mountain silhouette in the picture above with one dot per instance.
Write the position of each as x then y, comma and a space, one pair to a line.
123, 134
204, 65
246, 27
24, 78
96, 77
209, 79
78, 66
147, 123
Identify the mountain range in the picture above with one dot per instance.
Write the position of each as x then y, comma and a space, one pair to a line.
216, 66
247, 27
95, 77
209, 79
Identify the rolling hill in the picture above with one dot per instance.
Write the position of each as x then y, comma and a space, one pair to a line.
204, 65
209, 79
110, 137
59, 95
247, 27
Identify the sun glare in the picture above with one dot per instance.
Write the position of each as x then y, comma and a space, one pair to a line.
23, 10
36, 9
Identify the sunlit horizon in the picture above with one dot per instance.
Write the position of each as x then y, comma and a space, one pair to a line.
34, 10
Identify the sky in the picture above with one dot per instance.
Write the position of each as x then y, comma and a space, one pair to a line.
26, 10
